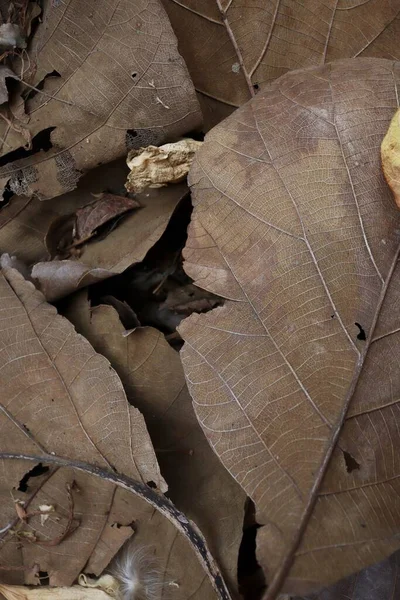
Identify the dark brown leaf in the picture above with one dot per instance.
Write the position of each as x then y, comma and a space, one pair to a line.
105, 208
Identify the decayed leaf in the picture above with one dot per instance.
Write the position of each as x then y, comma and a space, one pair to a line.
153, 379
104, 67
126, 245
59, 396
295, 379
157, 166
378, 582
233, 47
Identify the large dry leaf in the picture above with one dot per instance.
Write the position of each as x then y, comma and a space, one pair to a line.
295, 379
379, 582
112, 80
239, 46
153, 379
60, 397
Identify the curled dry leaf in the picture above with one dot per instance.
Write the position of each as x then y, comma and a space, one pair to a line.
100, 67
59, 396
157, 166
153, 379
232, 48
295, 379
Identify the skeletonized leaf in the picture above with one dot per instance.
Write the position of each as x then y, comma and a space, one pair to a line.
153, 379
234, 47
111, 80
295, 379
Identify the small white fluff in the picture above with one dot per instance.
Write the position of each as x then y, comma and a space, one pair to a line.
136, 570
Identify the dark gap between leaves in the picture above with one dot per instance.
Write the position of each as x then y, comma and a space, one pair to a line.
250, 575
361, 335
37, 471
41, 141
151, 484
350, 462
44, 578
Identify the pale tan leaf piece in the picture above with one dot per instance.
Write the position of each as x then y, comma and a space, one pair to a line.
106, 72
121, 248
76, 592
390, 154
234, 47
157, 166
295, 380
59, 396
153, 379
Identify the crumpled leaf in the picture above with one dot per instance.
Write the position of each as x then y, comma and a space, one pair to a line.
153, 379
123, 247
92, 108
234, 47
295, 379
59, 396
378, 582
157, 166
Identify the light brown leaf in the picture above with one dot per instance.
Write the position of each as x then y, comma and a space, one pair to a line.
295, 379
124, 246
234, 47
59, 396
390, 154
76, 592
153, 379
103, 67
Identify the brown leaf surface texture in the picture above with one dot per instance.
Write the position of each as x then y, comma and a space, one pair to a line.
239, 45
295, 379
152, 376
59, 397
112, 80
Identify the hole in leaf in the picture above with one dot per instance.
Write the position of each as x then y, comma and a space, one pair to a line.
44, 578
133, 75
132, 133
249, 573
7, 195
41, 141
256, 86
361, 335
37, 471
152, 485
350, 461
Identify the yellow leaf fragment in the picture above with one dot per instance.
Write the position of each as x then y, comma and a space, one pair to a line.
76, 592
156, 166
107, 583
390, 156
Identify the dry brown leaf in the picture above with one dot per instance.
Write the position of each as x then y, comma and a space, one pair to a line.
124, 246
100, 211
379, 582
153, 379
295, 379
234, 47
104, 66
59, 396
157, 166
76, 592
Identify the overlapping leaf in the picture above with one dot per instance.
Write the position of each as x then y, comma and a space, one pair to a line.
240, 45
295, 379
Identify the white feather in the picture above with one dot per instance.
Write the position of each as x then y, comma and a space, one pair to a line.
135, 569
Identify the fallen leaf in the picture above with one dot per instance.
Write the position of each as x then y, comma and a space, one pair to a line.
76, 592
105, 208
123, 247
157, 166
5, 72
153, 379
295, 379
233, 48
100, 67
58, 395
379, 582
